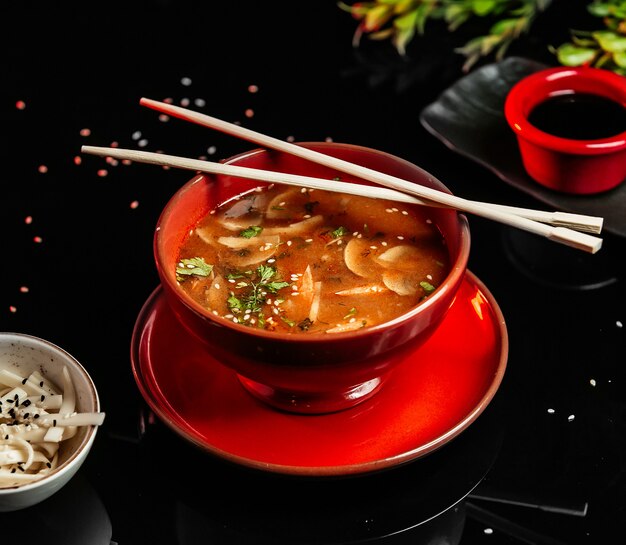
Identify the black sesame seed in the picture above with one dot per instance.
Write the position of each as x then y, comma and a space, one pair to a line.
42, 397
13, 470
20, 467
36, 415
54, 422
41, 384
48, 464
25, 380
26, 415
6, 437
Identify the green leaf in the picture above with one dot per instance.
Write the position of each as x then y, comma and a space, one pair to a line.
196, 266
599, 9
572, 55
407, 21
505, 26
620, 59
610, 41
377, 17
339, 232
275, 286
427, 287
483, 7
252, 231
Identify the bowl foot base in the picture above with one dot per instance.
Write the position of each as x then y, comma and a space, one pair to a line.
312, 402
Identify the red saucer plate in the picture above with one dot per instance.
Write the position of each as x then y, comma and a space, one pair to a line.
435, 394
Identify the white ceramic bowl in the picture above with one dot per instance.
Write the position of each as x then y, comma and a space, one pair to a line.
23, 354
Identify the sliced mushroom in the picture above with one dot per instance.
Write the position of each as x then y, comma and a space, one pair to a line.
368, 289
249, 251
315, 304
402, 257
358, 258
349, 326
284, 204
401, 282
298, 307
216, 295
297, 228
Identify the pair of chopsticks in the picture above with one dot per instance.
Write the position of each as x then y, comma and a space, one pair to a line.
569, 229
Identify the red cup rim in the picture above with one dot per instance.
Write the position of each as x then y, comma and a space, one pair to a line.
531, 90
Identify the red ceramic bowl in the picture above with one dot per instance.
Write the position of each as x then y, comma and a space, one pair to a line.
305, 373
565, 164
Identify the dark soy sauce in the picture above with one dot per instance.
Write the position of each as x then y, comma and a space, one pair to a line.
580, 116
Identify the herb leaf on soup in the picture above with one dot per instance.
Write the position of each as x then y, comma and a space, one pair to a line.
427, 287
339, 232
252, 231
195, 266
254, 297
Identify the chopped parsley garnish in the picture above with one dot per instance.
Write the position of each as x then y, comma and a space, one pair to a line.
290, 323
427, 287
252, 231
196, 266
339, 232
257, 289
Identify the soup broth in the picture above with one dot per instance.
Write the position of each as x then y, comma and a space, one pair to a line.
299, 260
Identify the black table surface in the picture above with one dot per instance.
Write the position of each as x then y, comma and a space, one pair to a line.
544, 464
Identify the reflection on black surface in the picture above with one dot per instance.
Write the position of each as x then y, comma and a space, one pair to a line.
419, 502
74, 515
561, 267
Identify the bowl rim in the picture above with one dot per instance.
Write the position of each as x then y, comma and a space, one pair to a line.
517, 98
454, 277
79, 454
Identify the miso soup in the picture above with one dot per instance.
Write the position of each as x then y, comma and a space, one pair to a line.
300, 260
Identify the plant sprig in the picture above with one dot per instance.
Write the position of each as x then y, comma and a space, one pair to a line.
604, 48
400, 21
259, 285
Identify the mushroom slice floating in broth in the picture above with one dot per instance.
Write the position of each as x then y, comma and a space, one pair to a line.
358, 258
402, 257
249, 251
297, 228
401, 282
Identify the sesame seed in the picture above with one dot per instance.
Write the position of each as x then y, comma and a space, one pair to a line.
405, 213
303, 190
570, 418
592, 382
217, 285
551, 411
400, 237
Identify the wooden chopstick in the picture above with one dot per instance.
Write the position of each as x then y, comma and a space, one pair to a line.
251, 173
559, 234
430, 197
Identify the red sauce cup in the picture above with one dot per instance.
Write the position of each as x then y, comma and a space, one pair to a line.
568, 165
305, 372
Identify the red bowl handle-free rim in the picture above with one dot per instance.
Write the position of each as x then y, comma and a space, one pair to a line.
531, 90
